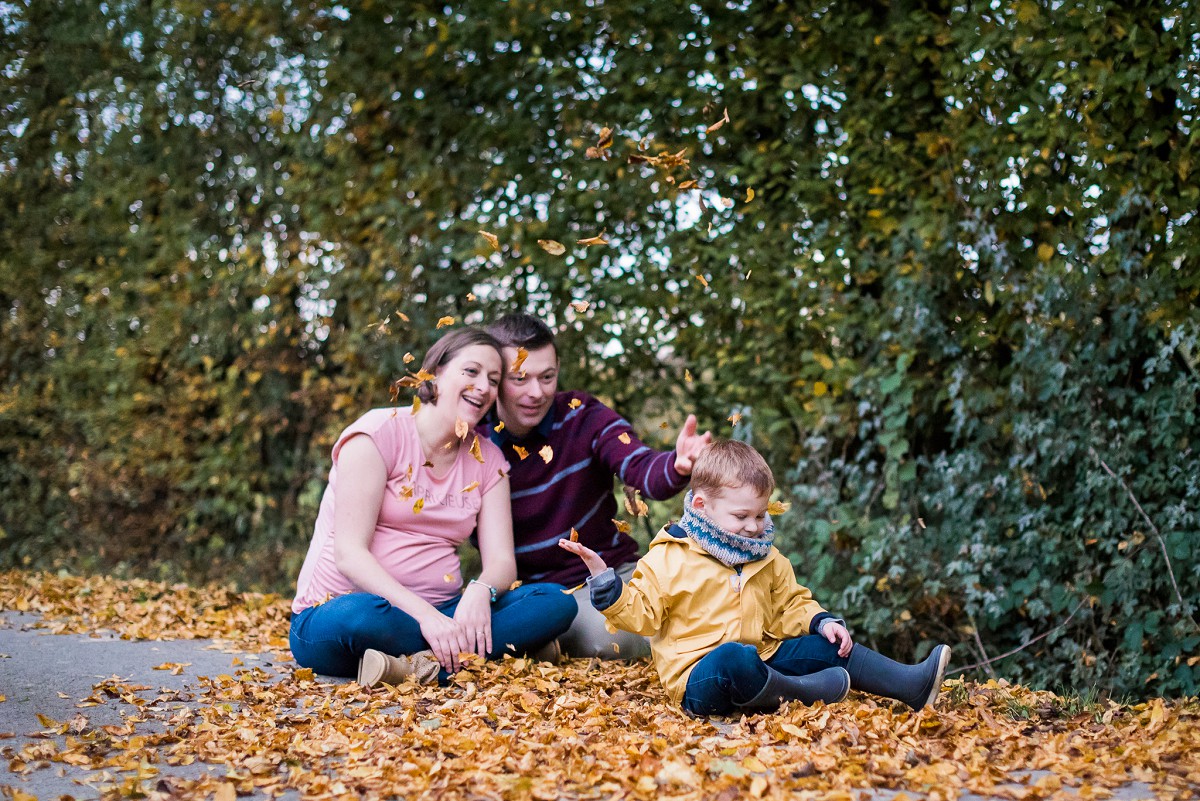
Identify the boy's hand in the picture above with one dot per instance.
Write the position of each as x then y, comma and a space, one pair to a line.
595, 564
836, 633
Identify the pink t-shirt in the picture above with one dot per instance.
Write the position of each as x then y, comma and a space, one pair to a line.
418, 549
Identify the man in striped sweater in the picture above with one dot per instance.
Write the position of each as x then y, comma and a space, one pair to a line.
564, 449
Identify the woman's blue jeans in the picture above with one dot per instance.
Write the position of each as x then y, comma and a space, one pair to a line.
330, 638
732, 674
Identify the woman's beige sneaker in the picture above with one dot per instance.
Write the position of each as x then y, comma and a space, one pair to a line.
376, 668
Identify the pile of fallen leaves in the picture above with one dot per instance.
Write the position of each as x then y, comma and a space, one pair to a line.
586, 729
148, 610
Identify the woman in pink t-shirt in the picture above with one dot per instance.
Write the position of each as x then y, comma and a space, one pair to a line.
380, 595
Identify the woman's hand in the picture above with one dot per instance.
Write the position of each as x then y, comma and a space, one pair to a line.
591, 559
446, 637
474, 615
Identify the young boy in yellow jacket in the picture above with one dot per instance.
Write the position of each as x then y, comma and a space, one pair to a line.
730, 628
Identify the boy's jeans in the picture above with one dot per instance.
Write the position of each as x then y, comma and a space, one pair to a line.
732, 674
331, 638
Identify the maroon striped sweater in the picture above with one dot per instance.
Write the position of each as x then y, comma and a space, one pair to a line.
575, 489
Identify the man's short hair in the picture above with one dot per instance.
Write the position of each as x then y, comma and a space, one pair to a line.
726, 464
522, 331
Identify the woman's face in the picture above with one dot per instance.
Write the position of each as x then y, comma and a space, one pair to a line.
467, 384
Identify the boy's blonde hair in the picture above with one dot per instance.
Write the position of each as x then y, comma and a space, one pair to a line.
726, 464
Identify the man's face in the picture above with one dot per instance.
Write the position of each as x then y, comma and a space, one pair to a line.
528, 391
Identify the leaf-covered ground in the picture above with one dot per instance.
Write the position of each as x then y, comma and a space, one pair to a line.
581, 730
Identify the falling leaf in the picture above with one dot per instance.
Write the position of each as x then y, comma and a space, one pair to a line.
735, 418
514, 585
522, 355
575, 403
593, 240
749, 194
574, 589
461, 428
475, 450
492, 239
401, 315
521, 452
606, 137
716, 126
574, 535
498, 427
689, 184
624, 438
920, 522
418, 505
472, 486
687, 375
547, 453
409, 358
616, 648
663, 425
471, 297
416, 405
702, 280
444, 321
552, 247
405, 491
634, 504
579, 305
448, 578
778, 507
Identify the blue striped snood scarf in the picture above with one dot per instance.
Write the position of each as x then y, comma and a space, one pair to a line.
732, 550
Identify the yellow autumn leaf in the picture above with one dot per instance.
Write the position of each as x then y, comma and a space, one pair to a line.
749, 194
476, 451
416, 405
547, 453
498, 427
622, 526
1045, 251
418, 505
703, 281
575, 403
522, 355
820, 388
409, 358
624, 438
461, 428
521, 452
778, 507
823, 360
444, 321
574, 535
552, 247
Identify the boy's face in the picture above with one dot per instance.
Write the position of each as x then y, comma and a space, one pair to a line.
741, 510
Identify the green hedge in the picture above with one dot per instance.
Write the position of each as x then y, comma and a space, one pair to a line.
940, 268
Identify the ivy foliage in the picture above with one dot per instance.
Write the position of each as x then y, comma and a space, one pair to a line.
939, 263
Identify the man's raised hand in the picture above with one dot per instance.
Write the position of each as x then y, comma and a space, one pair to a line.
688, 446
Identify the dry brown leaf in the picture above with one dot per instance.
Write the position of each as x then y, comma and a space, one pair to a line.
624, 438
579, 305
716, 126
574, 535
409, 358
444, 321
622, 526
474, 485
461, 428
634, 504
492, 239
475, 450
547, 453
552, 247
593, 240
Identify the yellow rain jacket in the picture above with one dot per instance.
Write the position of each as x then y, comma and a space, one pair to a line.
688, 603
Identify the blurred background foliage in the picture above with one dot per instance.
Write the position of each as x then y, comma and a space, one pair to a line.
941, 265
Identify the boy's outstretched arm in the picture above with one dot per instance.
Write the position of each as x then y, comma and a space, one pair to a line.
591, 559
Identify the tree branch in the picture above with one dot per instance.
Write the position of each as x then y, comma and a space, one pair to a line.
1042, 636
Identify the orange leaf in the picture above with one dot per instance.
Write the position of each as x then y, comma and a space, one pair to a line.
445, 321
492, 239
